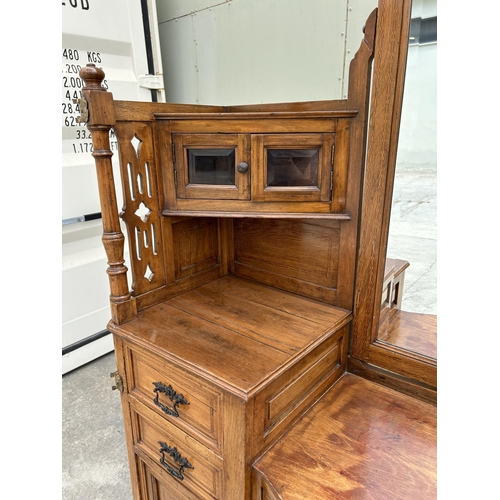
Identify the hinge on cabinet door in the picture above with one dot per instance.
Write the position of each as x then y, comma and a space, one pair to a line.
118, 380
331, 171
174, 159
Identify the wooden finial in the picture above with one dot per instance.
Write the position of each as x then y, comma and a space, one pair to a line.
92, 77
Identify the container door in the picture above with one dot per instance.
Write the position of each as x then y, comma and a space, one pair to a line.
120, 37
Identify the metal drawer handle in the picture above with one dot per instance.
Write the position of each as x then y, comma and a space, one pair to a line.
173, 396
183, 462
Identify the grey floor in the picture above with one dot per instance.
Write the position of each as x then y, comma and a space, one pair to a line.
94, 457
413, 235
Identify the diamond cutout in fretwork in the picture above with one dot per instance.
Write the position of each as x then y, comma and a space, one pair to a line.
149, 273
143, 212
136, 143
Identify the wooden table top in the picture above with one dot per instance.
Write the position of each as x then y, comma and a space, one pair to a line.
233, 331
397, 266
415, 332
360, 441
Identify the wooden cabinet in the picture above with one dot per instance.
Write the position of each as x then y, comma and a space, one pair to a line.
261, 162
208, 388
256, 167
242, 224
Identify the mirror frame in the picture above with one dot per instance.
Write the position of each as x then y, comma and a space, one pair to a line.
408, 371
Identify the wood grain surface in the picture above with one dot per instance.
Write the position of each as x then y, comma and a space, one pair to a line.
360, 441
413, 331
235, 333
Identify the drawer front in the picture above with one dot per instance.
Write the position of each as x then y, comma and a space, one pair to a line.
181, 459
300, 386
178, 396
157, 485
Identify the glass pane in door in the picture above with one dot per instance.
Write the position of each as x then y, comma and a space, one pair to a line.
292, 167
211, 166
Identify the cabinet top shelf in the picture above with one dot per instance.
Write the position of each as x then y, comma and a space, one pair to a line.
341, 113
257, 215
239, 334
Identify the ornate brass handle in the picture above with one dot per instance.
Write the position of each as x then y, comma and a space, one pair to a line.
177, 399
183, 462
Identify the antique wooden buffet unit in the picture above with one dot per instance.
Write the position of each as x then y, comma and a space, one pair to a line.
242, 224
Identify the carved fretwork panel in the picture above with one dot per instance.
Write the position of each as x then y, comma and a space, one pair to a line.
140, 205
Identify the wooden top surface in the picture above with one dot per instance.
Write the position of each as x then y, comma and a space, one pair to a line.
237, 333
413, 331
397, 266
361, 441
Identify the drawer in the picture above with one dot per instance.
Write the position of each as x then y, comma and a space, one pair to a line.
300, 386
185, 400
181, 459
158, 485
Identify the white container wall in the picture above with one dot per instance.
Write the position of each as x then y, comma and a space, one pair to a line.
418, 138
109, 33
258, 51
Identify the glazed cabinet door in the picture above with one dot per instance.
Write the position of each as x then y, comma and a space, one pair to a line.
232, 163
292, 167
212, 166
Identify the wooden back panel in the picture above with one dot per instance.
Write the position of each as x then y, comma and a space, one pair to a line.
297, 255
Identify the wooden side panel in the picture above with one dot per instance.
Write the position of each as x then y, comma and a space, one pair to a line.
196, 250
141, 210
289, 396
195, 245
301, 256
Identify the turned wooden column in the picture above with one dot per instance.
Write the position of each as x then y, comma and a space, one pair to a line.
96, 107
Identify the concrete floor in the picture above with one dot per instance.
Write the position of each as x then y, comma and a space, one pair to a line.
94, 454
413, 235
94, 457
